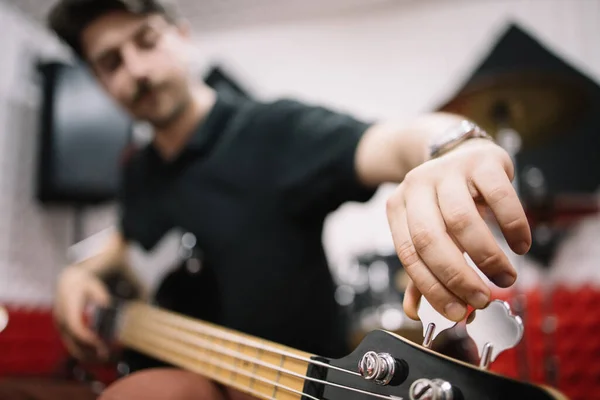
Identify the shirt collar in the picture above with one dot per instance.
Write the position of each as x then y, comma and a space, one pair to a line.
208, 130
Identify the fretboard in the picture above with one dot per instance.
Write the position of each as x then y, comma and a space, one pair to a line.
261, 368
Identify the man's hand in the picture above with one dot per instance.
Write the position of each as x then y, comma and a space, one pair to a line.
76, 289
434, 218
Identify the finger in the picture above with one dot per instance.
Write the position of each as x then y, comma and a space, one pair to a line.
423, 279
98, 294
465, 225
411, 301
84, 351
437, 250
75, 348
75, 325
482, 209
495, 187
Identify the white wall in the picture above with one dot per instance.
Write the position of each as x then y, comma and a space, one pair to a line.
390, 63
33, 240
395, 62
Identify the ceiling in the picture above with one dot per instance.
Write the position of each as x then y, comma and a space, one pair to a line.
211, 15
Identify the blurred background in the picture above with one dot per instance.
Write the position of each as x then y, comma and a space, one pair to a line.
527, 70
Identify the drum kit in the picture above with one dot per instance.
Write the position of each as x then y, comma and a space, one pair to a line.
521, 110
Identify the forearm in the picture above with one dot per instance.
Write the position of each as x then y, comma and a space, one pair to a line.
111, 258
413, 142
390, 150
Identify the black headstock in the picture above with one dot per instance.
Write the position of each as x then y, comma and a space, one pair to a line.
412, 363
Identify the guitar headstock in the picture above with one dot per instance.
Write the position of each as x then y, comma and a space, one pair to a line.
419, 374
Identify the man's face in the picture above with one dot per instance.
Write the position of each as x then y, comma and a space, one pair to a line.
142, 62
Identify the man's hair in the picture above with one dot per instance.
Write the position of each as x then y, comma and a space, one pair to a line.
68, 18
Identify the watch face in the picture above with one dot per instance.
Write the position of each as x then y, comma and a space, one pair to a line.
447, 139
456, 133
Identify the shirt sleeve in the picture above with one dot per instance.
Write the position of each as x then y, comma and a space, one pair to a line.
317, 154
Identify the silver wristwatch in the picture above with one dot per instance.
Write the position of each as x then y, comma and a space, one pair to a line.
453, 137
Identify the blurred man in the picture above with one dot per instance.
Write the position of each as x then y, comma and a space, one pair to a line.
254, 181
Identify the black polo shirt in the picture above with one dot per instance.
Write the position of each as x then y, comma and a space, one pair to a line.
254, 185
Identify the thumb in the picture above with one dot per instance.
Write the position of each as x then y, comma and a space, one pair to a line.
411, 301
98, 293
98, 296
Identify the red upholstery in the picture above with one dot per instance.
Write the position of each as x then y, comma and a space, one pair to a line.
575, 345
31, 346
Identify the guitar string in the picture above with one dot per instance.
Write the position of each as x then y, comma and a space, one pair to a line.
178, 357
211, 346
192, 367
184, 349
204, 329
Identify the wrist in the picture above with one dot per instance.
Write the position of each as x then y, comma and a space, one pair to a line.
456, 136
96, 266
78, 269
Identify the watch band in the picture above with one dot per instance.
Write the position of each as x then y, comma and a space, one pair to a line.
455, 136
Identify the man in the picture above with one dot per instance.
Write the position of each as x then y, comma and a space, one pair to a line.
254, 182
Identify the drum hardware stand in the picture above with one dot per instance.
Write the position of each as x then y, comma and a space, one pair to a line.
549, 323
536, 184
510, 140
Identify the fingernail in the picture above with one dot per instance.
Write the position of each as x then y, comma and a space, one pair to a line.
503, 280
478, 299
455, 311
523, 247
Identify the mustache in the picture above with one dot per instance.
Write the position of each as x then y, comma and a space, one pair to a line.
143, 87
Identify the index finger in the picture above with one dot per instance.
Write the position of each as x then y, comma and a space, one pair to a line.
500, 195
77, 328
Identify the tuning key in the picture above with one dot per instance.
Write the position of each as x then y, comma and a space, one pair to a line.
433, 322
431, 389
382, 368
494, 329
377, 367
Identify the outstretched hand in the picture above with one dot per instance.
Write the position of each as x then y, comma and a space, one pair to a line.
434, 217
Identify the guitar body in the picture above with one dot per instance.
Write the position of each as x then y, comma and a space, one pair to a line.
192, 293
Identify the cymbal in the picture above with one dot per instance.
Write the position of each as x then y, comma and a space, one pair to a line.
535, 104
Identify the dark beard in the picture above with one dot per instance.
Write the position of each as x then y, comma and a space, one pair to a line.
174, 115
145, 87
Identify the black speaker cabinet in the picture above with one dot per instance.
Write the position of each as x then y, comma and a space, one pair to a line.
83, 136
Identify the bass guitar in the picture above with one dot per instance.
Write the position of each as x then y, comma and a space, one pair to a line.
382, 366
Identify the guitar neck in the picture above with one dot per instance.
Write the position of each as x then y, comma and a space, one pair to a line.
267, 370
258, 367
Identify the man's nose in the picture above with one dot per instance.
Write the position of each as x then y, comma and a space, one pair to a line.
134, 64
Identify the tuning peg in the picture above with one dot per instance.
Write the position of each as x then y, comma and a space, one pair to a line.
433, 322
494, 329
431, 389
382, 368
